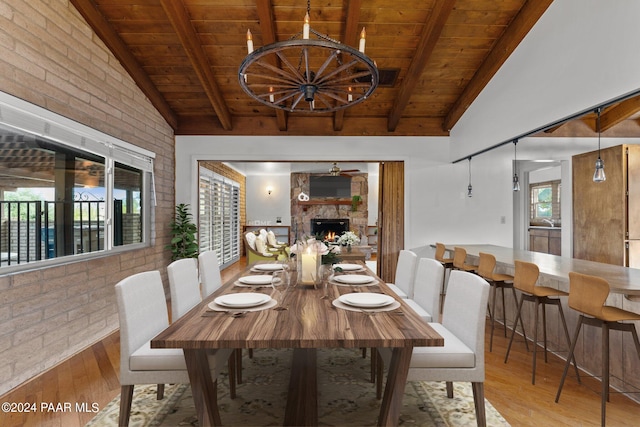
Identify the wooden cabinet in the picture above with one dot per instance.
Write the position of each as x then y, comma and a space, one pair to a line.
281, 231
606, 215
546, 240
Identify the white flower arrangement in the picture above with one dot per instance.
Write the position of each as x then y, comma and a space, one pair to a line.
348, 238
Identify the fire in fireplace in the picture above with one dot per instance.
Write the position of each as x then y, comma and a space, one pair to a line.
329, 229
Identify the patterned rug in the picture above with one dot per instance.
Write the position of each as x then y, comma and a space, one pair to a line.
346, 397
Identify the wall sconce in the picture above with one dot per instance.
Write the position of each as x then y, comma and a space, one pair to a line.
269, 190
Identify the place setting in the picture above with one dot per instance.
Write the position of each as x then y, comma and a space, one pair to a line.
238, 304
355, 276
366, 302
267, 268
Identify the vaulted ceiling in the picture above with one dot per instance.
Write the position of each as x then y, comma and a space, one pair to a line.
440, 54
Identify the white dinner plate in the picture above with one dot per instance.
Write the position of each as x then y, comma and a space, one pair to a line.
354, 279
366, 299
242, 300
348, 267
256, 280
267, 267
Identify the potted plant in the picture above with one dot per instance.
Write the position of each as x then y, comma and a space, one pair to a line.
355, 200
183, 234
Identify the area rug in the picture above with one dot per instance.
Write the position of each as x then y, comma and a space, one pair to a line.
346, 397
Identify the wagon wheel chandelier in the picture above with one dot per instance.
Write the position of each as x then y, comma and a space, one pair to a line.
308, 75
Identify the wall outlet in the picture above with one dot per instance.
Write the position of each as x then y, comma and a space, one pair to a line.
503, 219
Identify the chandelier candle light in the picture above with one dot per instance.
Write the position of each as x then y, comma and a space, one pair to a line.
308, 73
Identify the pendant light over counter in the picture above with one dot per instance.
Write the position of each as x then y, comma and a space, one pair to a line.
598, 175
516, 181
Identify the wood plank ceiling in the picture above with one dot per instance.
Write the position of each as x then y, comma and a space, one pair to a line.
185, 54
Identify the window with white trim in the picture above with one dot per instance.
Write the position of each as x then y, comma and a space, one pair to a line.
66, 189
219, 216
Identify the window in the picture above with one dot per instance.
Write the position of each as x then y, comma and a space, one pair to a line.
66, 189
545, 202
219, 216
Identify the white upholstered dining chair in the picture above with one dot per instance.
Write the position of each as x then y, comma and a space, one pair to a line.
142, 310
184, 287
405, 272
426, 289
462, 356
209, 270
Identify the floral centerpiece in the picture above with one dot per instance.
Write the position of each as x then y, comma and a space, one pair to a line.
310, 255
348, 238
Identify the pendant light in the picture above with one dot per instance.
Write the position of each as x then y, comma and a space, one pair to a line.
598, 175
516, 181
469, 188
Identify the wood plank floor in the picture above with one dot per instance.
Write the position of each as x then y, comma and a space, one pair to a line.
92, 377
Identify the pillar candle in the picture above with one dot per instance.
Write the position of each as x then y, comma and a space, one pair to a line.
309, 267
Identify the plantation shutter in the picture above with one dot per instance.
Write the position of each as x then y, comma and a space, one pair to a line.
219, 216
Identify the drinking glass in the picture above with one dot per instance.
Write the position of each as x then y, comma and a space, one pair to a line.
280, 284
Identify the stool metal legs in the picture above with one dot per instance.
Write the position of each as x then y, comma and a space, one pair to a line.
540, 301
606, 326
492, 311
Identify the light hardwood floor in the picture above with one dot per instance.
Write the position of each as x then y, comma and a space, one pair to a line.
92, 377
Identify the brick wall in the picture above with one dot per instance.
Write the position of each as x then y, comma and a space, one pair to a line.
51, 58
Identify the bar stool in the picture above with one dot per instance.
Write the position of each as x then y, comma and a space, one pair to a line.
486, 267
587, 295
459, 258
447, 263
525, 278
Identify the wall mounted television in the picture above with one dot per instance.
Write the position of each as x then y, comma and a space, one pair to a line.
329, 186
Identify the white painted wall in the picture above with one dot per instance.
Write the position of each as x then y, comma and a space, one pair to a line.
264, 207
578, 55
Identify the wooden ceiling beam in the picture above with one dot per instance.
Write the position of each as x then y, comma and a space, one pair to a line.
511, 38
179, 18
268, 30
428, 40
117, 46
618, 113
350, 36
307, 125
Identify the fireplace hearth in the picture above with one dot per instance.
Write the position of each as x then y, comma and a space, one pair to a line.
329, 229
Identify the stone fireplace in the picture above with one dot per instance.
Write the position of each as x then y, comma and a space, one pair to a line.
329, 229
303, 213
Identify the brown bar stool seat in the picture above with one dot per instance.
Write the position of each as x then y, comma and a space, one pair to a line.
459, 260
587, 295
525, 278
447, 263
486, 267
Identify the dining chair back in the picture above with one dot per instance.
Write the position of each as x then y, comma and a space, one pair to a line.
426, 289
184, 286
462, 356
142, 310
405, 274
209, 269
587, 296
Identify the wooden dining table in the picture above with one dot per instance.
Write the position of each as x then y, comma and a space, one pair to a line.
305, 319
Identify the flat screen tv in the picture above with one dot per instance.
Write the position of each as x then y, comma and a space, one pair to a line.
330, 186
